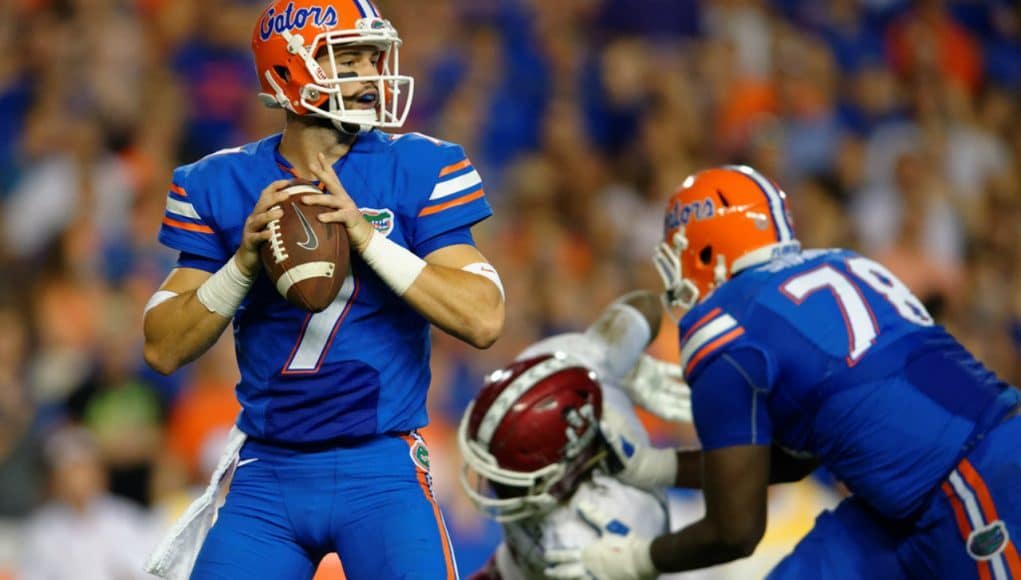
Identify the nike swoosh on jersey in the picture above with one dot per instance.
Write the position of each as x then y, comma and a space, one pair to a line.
247, 461
311, 241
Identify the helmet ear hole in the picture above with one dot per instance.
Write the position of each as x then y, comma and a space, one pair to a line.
706, 255
283, 73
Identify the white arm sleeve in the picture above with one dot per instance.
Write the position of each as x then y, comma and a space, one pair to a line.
625, 333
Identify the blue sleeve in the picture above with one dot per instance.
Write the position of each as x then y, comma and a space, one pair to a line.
186, 260
187, 224
728, 399
451, 238
456, 198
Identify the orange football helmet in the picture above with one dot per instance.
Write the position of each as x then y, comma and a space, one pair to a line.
289, 36
721, 221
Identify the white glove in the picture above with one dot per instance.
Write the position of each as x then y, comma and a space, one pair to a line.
668, 265
658, 387
644, 467
616, 555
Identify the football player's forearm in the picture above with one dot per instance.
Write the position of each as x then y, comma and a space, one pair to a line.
697, 546
179, 331
462, 304
689, 469
783, 468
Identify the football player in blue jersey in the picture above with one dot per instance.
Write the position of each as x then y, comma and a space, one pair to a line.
818, 357
327, 457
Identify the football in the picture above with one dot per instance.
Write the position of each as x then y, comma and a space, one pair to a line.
305, 258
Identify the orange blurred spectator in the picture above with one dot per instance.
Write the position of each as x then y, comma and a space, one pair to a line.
928, 40
206, 409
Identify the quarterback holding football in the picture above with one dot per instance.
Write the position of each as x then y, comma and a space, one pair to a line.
333, 347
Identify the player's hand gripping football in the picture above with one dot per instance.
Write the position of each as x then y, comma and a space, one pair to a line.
255, 232
617, 555
346, 211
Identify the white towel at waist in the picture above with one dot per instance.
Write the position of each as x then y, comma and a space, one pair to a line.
174, 557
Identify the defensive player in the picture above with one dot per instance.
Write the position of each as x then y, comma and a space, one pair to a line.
331, 401
533, 458
827, 355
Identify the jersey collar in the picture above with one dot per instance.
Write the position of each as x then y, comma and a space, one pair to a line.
372, 141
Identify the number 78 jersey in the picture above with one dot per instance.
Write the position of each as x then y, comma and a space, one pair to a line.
826, 353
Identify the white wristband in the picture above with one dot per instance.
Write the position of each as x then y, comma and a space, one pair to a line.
223, 292
662, 466
395, 264
651, 468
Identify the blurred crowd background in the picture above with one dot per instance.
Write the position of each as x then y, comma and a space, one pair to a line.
893, 125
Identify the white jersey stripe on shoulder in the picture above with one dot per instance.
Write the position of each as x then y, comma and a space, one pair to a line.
434, 140
456, 185
226, 151
182, 208
976, 519
704, 335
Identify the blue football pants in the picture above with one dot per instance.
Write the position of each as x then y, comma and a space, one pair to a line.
970, 527
371, 503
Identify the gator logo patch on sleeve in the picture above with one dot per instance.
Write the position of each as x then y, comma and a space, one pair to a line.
381, 219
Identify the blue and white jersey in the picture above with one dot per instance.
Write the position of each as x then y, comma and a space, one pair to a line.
360, 367
826, 353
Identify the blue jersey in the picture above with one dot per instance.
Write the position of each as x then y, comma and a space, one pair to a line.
827, 353
360, 367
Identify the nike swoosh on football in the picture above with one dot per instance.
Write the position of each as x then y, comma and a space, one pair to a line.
311, 241
247, 461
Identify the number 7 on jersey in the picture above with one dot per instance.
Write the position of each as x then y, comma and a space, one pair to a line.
318, 331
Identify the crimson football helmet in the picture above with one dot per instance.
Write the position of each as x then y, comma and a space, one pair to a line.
719, 222
530, 436
291, 34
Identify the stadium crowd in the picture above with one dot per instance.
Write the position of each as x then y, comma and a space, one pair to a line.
894, 125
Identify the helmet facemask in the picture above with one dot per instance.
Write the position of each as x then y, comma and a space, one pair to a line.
531, 436
501, 494
505, 495
679, 291
683, 292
